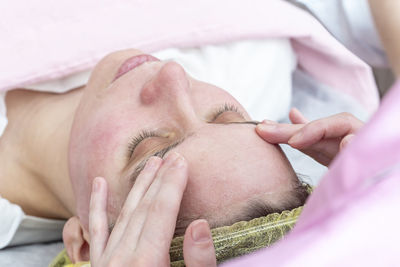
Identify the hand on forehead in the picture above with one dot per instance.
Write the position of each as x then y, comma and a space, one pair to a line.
223, 158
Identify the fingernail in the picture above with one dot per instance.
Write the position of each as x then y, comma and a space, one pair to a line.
95, 185
269, 122
296, 138
266, 127
152, 163
172, 157
201, 232
179, 162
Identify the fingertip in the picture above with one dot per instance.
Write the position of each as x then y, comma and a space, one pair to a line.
297, 117
265, 127
153, 163
99, 192
180, 162
98, 184
268, 122
198, 246
296, 138
294, 110
200, 231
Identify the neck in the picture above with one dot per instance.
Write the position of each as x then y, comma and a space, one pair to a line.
34, 148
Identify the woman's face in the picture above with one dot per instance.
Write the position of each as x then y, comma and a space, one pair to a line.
156, 108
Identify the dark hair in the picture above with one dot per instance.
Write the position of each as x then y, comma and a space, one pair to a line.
294, 198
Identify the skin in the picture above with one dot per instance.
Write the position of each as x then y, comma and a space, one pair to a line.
222, 156
83, 134
131, 243
308, 143
387, 20
90, 135
146, 215
321, 139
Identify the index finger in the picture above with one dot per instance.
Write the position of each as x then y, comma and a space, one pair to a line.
163, 212
277, 133
335, 126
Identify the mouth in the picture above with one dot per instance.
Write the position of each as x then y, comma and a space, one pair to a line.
132, 63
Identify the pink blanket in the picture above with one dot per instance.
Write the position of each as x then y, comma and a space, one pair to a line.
43, 40
352, 218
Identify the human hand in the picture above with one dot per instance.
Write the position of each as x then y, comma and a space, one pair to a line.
320, 139
145, 227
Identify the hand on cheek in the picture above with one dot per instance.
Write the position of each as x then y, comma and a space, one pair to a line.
320, 139
145, 227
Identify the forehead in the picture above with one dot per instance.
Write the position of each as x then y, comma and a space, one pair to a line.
228, 165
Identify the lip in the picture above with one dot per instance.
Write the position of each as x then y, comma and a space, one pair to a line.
132, 63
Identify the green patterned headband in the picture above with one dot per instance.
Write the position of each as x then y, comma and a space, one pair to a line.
243, 237
229, 241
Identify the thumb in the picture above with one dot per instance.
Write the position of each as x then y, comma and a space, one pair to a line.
198, 247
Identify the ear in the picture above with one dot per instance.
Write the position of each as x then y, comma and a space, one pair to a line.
76, 240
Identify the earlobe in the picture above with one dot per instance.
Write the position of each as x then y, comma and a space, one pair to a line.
75, 241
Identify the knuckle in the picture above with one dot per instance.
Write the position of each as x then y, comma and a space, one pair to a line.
145, 203
123, 215
143, 207
96, 229
350, 120
348, 117
318, 124
162, 205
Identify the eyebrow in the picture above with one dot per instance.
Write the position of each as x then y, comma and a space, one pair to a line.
161, 153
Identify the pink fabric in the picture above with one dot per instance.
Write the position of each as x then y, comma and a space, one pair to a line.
46, 39
352, 218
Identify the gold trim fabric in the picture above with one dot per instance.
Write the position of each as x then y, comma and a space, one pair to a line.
229, 241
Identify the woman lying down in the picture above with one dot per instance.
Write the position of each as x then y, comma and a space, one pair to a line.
144, 151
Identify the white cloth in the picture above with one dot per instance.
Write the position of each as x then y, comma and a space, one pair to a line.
262, 67
16, 228
351, 22
252, 71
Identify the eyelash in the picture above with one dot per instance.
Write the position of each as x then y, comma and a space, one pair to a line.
139, 138
146, 134
226, 107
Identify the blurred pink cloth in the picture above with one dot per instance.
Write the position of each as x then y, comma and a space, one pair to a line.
42, 40
352, 218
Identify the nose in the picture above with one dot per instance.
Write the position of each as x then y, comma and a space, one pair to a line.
169, 91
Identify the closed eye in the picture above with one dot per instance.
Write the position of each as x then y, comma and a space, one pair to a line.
214, 117
139, 138
225, 108
226, 114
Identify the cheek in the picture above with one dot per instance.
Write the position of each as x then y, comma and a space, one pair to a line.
102, 147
